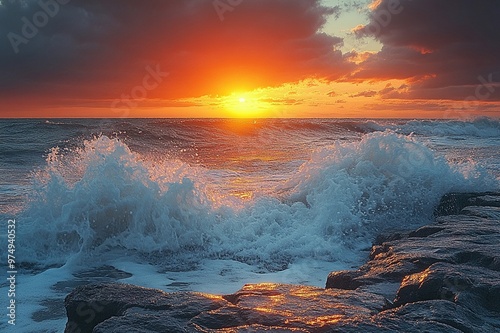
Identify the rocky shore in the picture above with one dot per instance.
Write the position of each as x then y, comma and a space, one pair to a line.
442, 277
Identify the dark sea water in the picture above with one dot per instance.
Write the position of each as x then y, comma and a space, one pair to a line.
210, 205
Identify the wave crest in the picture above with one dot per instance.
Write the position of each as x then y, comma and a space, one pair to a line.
104, 196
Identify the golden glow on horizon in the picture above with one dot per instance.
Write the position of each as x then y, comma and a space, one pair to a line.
307, 98
311, 98
247, 105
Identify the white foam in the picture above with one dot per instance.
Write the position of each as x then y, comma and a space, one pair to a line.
105, 201
333, 205
31, 292
480, 127
226, 276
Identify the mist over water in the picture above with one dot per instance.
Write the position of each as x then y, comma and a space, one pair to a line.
250, 197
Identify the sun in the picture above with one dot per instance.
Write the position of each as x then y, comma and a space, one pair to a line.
245, 105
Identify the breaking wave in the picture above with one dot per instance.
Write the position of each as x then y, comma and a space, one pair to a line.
480, 127
104, 196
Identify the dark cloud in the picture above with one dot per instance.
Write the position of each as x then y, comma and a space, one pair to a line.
390, 92
388, 89
367, 93
281, 101
62, 52
445, 48
101, 49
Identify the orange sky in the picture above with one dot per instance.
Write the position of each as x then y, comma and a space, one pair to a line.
250, 58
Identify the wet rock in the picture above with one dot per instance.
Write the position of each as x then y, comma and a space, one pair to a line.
389, 236
485, 212
439, 278
452, 317
455, 261
468, 286
272, 307
141, 320
344, 280
436, 282
425, 231
89, 305
470, 239
453, 203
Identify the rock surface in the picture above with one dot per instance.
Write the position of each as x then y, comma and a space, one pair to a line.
442, 277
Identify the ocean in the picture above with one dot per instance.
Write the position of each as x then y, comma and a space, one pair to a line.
211, 204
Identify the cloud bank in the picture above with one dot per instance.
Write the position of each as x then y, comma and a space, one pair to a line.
99, 48
446, 49
76, 52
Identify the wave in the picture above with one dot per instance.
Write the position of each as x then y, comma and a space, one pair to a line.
104, 196
380, 181
480, 127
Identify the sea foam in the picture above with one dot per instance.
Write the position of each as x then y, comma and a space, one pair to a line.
481, 127
105, 198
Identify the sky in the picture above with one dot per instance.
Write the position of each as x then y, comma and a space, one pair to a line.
250, 58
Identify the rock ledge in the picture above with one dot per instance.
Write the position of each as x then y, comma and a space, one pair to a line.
442, 277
